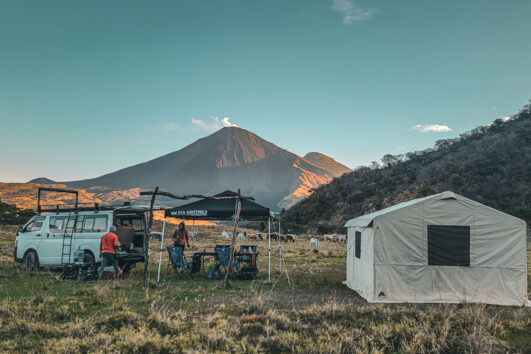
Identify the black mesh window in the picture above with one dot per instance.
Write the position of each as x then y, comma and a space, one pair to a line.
449, 245
358, 244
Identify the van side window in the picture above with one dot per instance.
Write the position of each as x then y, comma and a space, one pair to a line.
95, 223
79, 223
100, 223
57, 223
35, 225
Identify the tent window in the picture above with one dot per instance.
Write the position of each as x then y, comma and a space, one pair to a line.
449, 245
358, 244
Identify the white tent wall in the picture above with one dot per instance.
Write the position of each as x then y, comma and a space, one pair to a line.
497, 271
360, 271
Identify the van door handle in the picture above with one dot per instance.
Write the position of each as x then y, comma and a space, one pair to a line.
38, 235
47, 235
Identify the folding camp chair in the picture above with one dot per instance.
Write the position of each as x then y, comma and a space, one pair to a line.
178, 260
223, 256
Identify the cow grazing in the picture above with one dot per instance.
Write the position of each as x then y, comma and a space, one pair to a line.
225, 234
330, 238
342, 238
290, 238
316, 242
252, 237
241, 236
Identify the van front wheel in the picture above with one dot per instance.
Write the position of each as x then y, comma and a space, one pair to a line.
31, 260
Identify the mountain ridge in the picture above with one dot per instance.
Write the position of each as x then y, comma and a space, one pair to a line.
231, 158
490, 164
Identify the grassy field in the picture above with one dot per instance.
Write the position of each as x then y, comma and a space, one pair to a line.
39, 312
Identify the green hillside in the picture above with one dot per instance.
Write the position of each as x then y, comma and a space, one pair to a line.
490, 164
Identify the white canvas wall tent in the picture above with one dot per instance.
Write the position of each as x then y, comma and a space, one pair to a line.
444, 248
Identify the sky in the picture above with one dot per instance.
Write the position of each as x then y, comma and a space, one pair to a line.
89, 87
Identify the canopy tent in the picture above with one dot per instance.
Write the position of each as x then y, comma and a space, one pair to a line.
444, 248
219, 209
225, 209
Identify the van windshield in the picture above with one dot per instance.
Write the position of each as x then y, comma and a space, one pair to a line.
35, 224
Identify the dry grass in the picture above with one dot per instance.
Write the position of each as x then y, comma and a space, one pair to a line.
40, 313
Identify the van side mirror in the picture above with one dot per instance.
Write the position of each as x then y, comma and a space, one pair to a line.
20, 229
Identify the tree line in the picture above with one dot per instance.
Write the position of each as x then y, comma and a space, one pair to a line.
11, 215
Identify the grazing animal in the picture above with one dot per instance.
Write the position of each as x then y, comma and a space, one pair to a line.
192, 234
252, 237
283, 238
290, 238
293, 236
342, 238
274, 236
330, 238
260, 237
316, 242
225, 234
242, 237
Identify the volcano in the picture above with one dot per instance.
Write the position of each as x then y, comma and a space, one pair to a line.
231, 158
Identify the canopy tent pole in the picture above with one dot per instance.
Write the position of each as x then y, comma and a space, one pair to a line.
279, 248
146, 236
193, 230
161, 247
269, 249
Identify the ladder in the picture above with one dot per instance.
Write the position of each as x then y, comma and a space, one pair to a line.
68, 239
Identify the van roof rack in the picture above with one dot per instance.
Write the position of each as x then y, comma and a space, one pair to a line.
57, 190
61, 208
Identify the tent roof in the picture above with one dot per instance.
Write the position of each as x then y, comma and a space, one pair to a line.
219, 209
365, 220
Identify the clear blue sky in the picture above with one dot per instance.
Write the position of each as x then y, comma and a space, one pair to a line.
88, 87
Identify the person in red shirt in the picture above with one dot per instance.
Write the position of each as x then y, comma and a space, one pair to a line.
180, 236
108, 248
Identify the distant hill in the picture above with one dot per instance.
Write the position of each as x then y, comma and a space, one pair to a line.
490, 164
42, 180
231, 158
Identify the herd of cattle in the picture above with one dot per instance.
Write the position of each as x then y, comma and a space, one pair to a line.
314, 240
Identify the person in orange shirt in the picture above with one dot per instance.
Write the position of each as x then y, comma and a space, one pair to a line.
108, 248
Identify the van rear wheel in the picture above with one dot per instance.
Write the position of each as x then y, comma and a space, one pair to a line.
88, 260
31, 260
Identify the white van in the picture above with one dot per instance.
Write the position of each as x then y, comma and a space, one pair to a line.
49, 239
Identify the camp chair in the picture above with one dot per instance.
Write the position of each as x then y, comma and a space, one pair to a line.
223, 257
178, 260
